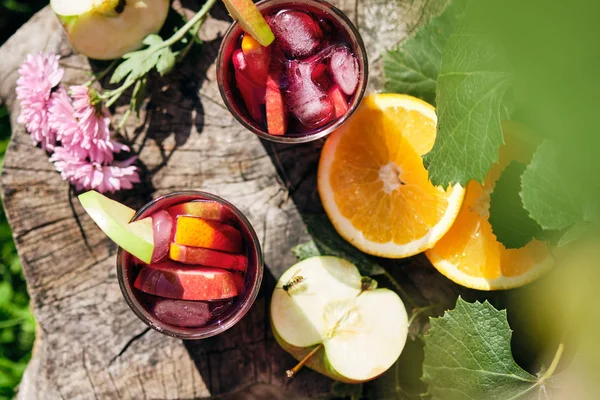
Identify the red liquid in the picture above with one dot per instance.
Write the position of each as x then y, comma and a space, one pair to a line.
304, 81
176, 294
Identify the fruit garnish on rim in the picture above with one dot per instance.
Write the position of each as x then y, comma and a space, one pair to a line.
251, 20
178, 256
324, 315
373, 184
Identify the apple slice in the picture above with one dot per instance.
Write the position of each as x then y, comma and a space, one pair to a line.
201, 208
340, 101
252, 94
336, 325
257, 58
251, 20
107, 29
113, 218
181, 312
276, 111
176, 281
198, 232
208, 258
162, 227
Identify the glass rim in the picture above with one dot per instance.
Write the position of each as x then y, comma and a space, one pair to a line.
355, 37
206, 332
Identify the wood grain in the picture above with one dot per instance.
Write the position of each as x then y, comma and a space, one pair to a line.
89, 345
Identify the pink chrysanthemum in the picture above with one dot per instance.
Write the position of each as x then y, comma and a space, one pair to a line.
38, 76
92, 175
82, 125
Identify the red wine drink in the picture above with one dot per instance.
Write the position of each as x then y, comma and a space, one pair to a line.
205, 271
302, 86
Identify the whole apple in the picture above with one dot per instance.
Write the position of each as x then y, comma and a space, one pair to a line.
107, 29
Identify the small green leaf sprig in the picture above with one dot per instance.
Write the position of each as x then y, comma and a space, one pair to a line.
158, 54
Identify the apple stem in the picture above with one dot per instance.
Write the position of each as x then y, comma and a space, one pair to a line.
292, 372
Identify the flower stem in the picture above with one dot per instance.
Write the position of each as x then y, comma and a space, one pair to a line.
113, 95
554, 364
177, 36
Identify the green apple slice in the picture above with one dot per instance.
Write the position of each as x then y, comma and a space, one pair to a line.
328, 322
251, 20
113, 218
324, 279
107, 29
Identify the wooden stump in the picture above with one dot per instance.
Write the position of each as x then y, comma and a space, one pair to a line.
89, 344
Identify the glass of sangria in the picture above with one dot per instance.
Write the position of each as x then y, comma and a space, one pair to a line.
206, 266
305, 84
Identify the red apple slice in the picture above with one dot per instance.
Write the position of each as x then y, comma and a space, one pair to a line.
202, 209
182, 313
250, 20
257, 58
176, 281
198, 232
162, 226
207, 257
277, 118
252, 94
240, 283
340, 101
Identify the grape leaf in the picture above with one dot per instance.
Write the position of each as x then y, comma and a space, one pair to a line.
327, 242
552, 199
414, 66
511, 223
468, 356
470, 92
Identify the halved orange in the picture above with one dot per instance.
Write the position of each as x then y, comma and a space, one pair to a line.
470, 255
373, 184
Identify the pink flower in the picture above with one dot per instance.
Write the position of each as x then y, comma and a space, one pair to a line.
82, 125
38, 76
92, 175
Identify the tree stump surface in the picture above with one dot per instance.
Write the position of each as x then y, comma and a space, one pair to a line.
89, 344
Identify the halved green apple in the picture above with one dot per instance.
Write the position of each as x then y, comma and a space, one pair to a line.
113, 218
324, 315
251, 20
107, 29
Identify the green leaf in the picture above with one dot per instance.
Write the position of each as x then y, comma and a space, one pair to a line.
327, 242
136, 65
552, 198
137, 98
414, 66
166, 62
511, 223
574, 233
468, 356
152, 40
470, 92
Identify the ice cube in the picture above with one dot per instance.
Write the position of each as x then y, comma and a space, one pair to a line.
344, 69
297, 32
182, 313
162, 225
306, 100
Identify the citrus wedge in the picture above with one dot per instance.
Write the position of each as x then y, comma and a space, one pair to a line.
469, 254
373, 184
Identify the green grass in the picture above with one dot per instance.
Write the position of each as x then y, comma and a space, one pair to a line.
17, 326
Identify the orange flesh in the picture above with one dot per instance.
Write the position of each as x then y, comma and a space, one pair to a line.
471, 245
404, 207
197, 232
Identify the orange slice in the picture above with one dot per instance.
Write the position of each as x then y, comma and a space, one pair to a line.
198, 232
470, 255
373, 184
